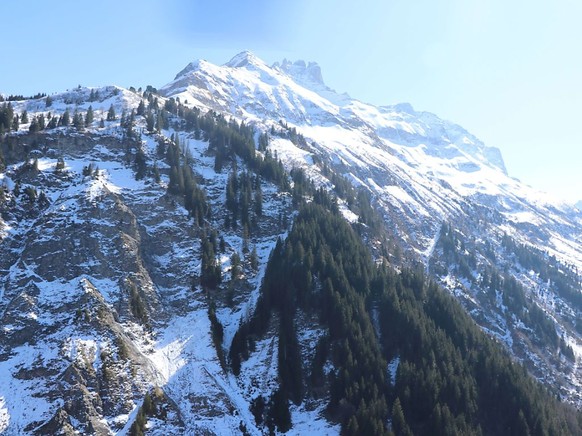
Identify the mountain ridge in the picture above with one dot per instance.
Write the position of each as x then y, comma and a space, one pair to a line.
150, 198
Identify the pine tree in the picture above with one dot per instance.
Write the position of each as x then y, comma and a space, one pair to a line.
24, 117
41, 122
89, 116
156, 172
65, 119
234, 266
141, 108
111, 113
33, 128
140, 164
150, 122
78, 122
259, 202
399, 424
254, 259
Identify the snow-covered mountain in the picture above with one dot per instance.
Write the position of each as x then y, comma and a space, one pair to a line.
422, 171
100, 259
412, 161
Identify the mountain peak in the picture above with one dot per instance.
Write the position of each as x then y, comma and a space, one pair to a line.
301, 71
243, 59
192, 66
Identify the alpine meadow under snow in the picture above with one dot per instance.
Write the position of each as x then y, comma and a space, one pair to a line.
246, 251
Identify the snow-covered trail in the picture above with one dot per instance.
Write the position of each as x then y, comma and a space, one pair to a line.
427, 254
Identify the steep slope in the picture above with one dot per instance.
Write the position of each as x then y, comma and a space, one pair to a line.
100, 295
421, 172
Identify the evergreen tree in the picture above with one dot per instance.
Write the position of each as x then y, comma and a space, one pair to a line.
399, 424
65, 119
89, 116
111, 116
279, 415
150, 122
254, 259
140, 164
141, 108
41, 122
156, 172
78, 122
234, 266
258, 201
34, 127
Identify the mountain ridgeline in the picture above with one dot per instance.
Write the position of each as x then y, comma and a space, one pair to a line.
246, 251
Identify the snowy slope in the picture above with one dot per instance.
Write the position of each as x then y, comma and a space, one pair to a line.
421, 170
419, 164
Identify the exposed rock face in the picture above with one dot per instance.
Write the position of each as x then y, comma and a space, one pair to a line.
90, 280
77, 283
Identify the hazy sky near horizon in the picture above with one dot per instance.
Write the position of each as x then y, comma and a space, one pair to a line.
509, 72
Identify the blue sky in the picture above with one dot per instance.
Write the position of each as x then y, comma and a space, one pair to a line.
510, 72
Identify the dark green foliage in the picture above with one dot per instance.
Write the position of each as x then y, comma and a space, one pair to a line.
258, 407
136, 304
217, 333
15, 123
317, 246
399, 425
93, 95
65, 119
289, 363
150, 121
452, 378
183, 182
141, 108
34, 126
7, 116
227, 139
563, 279
78, 121
254, 259
456, 254
211, 273
111, 116
156, 173
279, 416
53, 122
89, 116
140, 164
234, 266
150, 407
